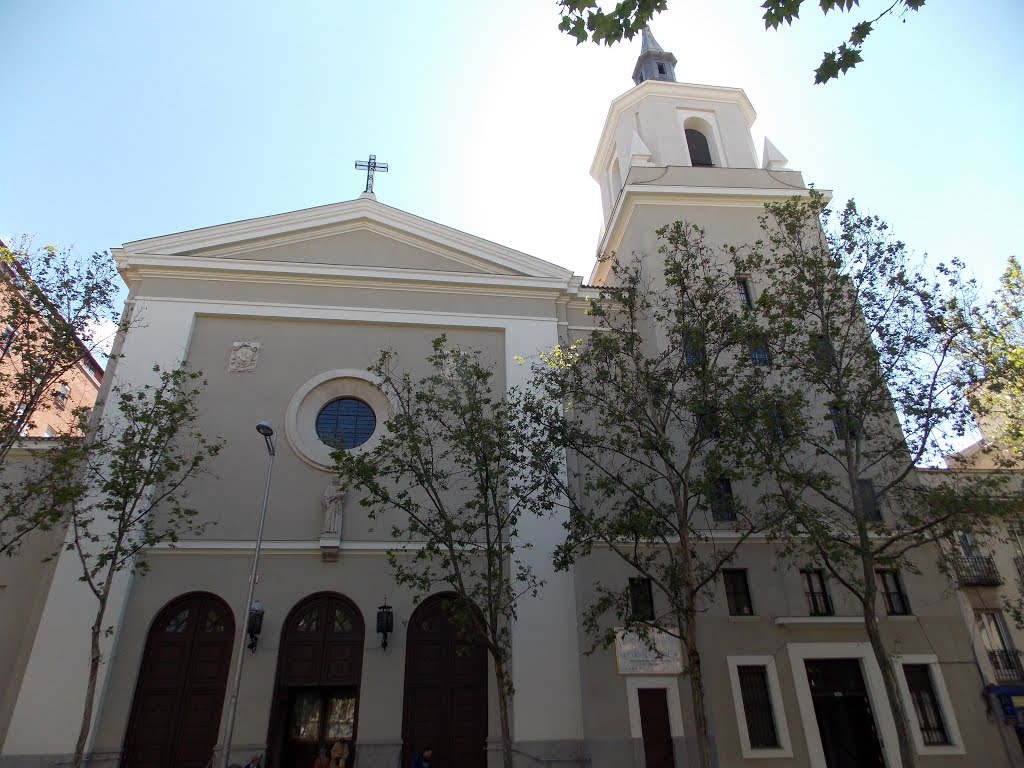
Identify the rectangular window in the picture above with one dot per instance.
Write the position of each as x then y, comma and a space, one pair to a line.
778, 425
896, 603
926, 705
746, 296
759, 353
757, 706
708, 426
723, 507
641, 599
824, 353
737, 592
694, 351
839, 422
869, 500
818, 601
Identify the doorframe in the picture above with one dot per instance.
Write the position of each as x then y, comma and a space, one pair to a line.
879, 702
675, 710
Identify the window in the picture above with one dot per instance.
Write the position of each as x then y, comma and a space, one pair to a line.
926, 705
824, 353
778, 426
7, 337
697, 143
661, 69
708, 426
757, 706
896, 603
1002, 656
818, 601
723, 508
737, 592
746, 297
759, 353
869, 500
841, 423
641, 600
694, 351
60, 396
345, 422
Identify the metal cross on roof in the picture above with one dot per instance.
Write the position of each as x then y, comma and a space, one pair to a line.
370, 166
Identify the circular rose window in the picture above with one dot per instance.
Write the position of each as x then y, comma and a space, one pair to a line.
345, 422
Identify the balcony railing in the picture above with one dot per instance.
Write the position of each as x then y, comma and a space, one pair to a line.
818, 603
1019, 562
1006, 666
977, 571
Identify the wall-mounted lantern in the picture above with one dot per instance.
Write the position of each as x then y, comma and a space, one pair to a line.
385, 622
255, 625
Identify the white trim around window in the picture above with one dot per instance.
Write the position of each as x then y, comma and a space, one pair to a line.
785, 748
799, 652
675, 712
956, 744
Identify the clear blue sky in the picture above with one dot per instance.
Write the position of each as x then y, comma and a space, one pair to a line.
130, 120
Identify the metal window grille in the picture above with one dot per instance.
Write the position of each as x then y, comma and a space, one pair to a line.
737, 592
759, 353
896, 603
757, 706
922, 693
818, 601
869, 500
746, 297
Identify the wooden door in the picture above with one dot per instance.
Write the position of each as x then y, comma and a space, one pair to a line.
655, 727
318, 674
445, 690
175, 717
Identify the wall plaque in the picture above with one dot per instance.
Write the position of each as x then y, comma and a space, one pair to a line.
634, 657
244, 356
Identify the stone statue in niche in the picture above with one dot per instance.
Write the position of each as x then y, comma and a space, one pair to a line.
244, 355
334, 501
330, 535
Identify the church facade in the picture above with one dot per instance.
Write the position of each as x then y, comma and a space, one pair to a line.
284, 315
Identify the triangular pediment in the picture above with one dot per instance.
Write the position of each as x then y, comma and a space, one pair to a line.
359, 233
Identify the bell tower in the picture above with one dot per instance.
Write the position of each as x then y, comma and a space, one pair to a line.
672, 150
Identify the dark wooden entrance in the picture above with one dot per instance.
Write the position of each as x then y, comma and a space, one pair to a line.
656, 730
445, 689
175, 718
318, 672
843, 711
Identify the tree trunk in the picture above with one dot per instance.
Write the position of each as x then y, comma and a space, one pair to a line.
90, 690
885, 663
501, 680
697, 687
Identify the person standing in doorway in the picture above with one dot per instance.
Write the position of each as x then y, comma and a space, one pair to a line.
424, 759
322, 760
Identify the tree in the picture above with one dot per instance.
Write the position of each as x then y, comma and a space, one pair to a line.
996, 347
655, 410
122, 490
864, 342
54, 308
452, 462
584, 19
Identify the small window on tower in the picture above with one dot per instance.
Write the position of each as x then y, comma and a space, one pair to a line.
661, 69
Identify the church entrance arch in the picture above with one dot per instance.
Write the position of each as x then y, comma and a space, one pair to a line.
175, 716
445, 689
318, 672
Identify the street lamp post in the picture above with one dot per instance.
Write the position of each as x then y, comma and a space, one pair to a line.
268, 435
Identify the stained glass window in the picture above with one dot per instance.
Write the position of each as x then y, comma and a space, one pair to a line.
342, 622
305, 725
341, 715
214, 622
345, 422
178, 622
309, 621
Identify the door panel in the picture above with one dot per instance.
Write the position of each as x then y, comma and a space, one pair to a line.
175, 717
445, 690
654, 723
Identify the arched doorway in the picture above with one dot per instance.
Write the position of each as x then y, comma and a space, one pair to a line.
175, 717
318, 673
445, 689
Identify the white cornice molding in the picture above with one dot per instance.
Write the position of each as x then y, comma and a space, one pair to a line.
634, 196
648, 88
337, 275
233, 235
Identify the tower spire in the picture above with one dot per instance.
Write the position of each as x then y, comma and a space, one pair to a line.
654, 63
